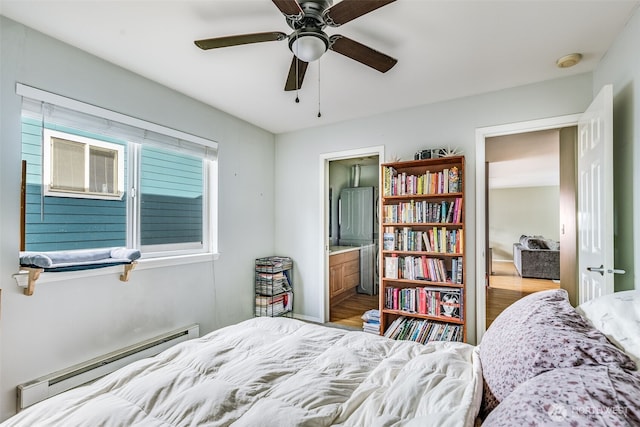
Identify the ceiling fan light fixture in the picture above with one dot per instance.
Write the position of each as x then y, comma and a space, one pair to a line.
309, 46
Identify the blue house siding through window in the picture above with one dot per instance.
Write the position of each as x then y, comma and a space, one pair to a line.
171, 201
171, 187
64, 223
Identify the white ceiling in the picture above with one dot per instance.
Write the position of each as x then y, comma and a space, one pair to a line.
445, 49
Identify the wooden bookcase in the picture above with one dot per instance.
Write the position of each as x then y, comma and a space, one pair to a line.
422, 250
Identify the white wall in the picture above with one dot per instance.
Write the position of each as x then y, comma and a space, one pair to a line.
517, 211
451, 123
621, 67
64, 323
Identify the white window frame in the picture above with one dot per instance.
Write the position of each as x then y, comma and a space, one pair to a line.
48, 158
209, 213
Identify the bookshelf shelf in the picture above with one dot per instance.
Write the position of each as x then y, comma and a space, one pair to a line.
421, 253
423, 283
423, 224
422, 280
423, 316
273, 287
421, 196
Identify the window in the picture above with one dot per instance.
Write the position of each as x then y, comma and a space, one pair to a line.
76, 166
172, 189
93, 181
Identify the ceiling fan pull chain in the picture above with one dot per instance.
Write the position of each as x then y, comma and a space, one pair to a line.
319, 114
297, 77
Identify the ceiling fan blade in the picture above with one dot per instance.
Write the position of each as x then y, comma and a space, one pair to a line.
361, 53
227, 41
348, 10
289, 8
296, 74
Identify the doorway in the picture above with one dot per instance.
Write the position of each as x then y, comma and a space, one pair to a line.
523, 217
350, 235
567, 224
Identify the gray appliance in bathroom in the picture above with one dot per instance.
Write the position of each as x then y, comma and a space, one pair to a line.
357, 227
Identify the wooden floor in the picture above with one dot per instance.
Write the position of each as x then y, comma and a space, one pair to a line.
505, 288
349, 311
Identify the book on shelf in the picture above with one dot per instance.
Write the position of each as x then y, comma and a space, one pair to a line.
391, 267
460, 241
388, 179
450, 303
442, 182
426, 242
457, 210
389, 239
423, 211
454, 180
435, 240
431, 301
422, 330
449, 216
423, 268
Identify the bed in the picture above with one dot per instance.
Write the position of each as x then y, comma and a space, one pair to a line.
545, 363
542, 362
278, 372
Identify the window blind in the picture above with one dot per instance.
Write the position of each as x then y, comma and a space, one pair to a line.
56, 109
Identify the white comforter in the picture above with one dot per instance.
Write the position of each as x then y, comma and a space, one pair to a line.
279, 372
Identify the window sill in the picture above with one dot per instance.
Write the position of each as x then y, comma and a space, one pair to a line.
22, 277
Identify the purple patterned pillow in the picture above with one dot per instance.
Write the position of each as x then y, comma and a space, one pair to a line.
583, 396
537, 333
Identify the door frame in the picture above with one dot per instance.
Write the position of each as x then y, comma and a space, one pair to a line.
323, 250
481, 135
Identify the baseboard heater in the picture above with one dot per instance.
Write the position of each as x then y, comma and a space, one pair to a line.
49, 385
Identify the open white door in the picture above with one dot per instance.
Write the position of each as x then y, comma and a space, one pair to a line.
595, 198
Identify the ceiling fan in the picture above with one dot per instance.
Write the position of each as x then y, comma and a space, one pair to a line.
308, 42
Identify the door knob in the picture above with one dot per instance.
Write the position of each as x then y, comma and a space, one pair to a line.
601, 270
597, 269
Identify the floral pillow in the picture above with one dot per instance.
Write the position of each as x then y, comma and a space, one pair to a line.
618, 317
582, 396
538, 333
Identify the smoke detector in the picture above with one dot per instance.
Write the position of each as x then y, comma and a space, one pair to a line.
569, 60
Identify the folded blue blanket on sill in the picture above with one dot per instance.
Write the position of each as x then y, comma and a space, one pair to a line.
78, 259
